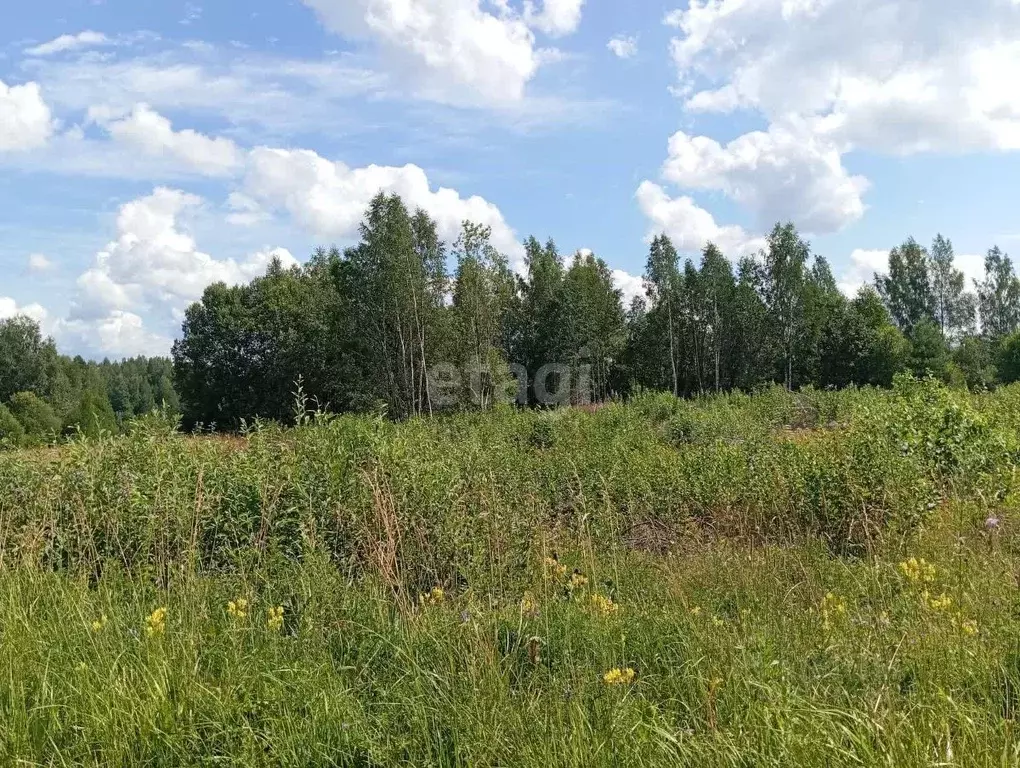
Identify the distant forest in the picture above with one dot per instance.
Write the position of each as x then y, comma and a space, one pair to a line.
405, 324
44, 394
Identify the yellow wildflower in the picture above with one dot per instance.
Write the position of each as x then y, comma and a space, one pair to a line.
941, 603
238, 608
604, 605
918, 571
434, 597
155, 624
832, 605
969, 627
528, 605
717, 621
274, 618
696, 610
98, 624
555, 566
619, 676
578, 579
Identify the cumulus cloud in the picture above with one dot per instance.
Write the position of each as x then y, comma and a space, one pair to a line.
863, 265
153, 134
623, 46
120, 333
329, 199
86, 39
10, 308
780, 174
630, 286
25, 119
888, 75
556, 17
152, 270
453, 49
689, 226
154, 263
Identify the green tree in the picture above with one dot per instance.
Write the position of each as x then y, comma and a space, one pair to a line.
482, 299
717, 298
999, 296
26, 358
929, 353
593, 326
93, 416
40, 422
975, 359
907, 290
12, 434
541, 309
663, 288
1009, 358
782, 290
955, 310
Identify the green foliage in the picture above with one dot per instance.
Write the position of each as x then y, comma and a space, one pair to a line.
729, 580
94, 415
1009, 358
27, 358
907, 289
975, 359
929, 353
12, 434
37, 418
999, 296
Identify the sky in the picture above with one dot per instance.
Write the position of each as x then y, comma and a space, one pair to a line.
149, 149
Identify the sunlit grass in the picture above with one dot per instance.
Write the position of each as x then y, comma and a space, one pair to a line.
633, 588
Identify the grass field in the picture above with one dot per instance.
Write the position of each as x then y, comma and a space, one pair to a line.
814, 579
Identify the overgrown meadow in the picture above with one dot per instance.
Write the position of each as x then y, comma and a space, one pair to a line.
821, 578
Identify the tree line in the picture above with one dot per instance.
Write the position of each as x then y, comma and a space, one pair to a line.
405, 324
44, 394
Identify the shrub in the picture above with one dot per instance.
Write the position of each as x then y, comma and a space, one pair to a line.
36, 416
11, 431
1009, 359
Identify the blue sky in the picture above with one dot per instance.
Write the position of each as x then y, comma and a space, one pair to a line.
147, 149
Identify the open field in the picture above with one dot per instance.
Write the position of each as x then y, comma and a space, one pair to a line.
811, 579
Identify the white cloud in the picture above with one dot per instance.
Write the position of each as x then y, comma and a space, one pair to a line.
864, 263
10, 308
152, 133
118, 334
623, 46
557, 17
453, 49
244, 212
25, 119
887, 75
689, 226
781, 174
973, 267
246, 89
860, 271
329, 199
153, 269
86, 39
631, 286
38, 262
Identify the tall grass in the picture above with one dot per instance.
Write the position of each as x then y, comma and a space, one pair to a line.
811, 579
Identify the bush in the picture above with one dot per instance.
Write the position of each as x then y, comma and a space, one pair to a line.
35, 415
11, 432
93, 416
1009, 359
